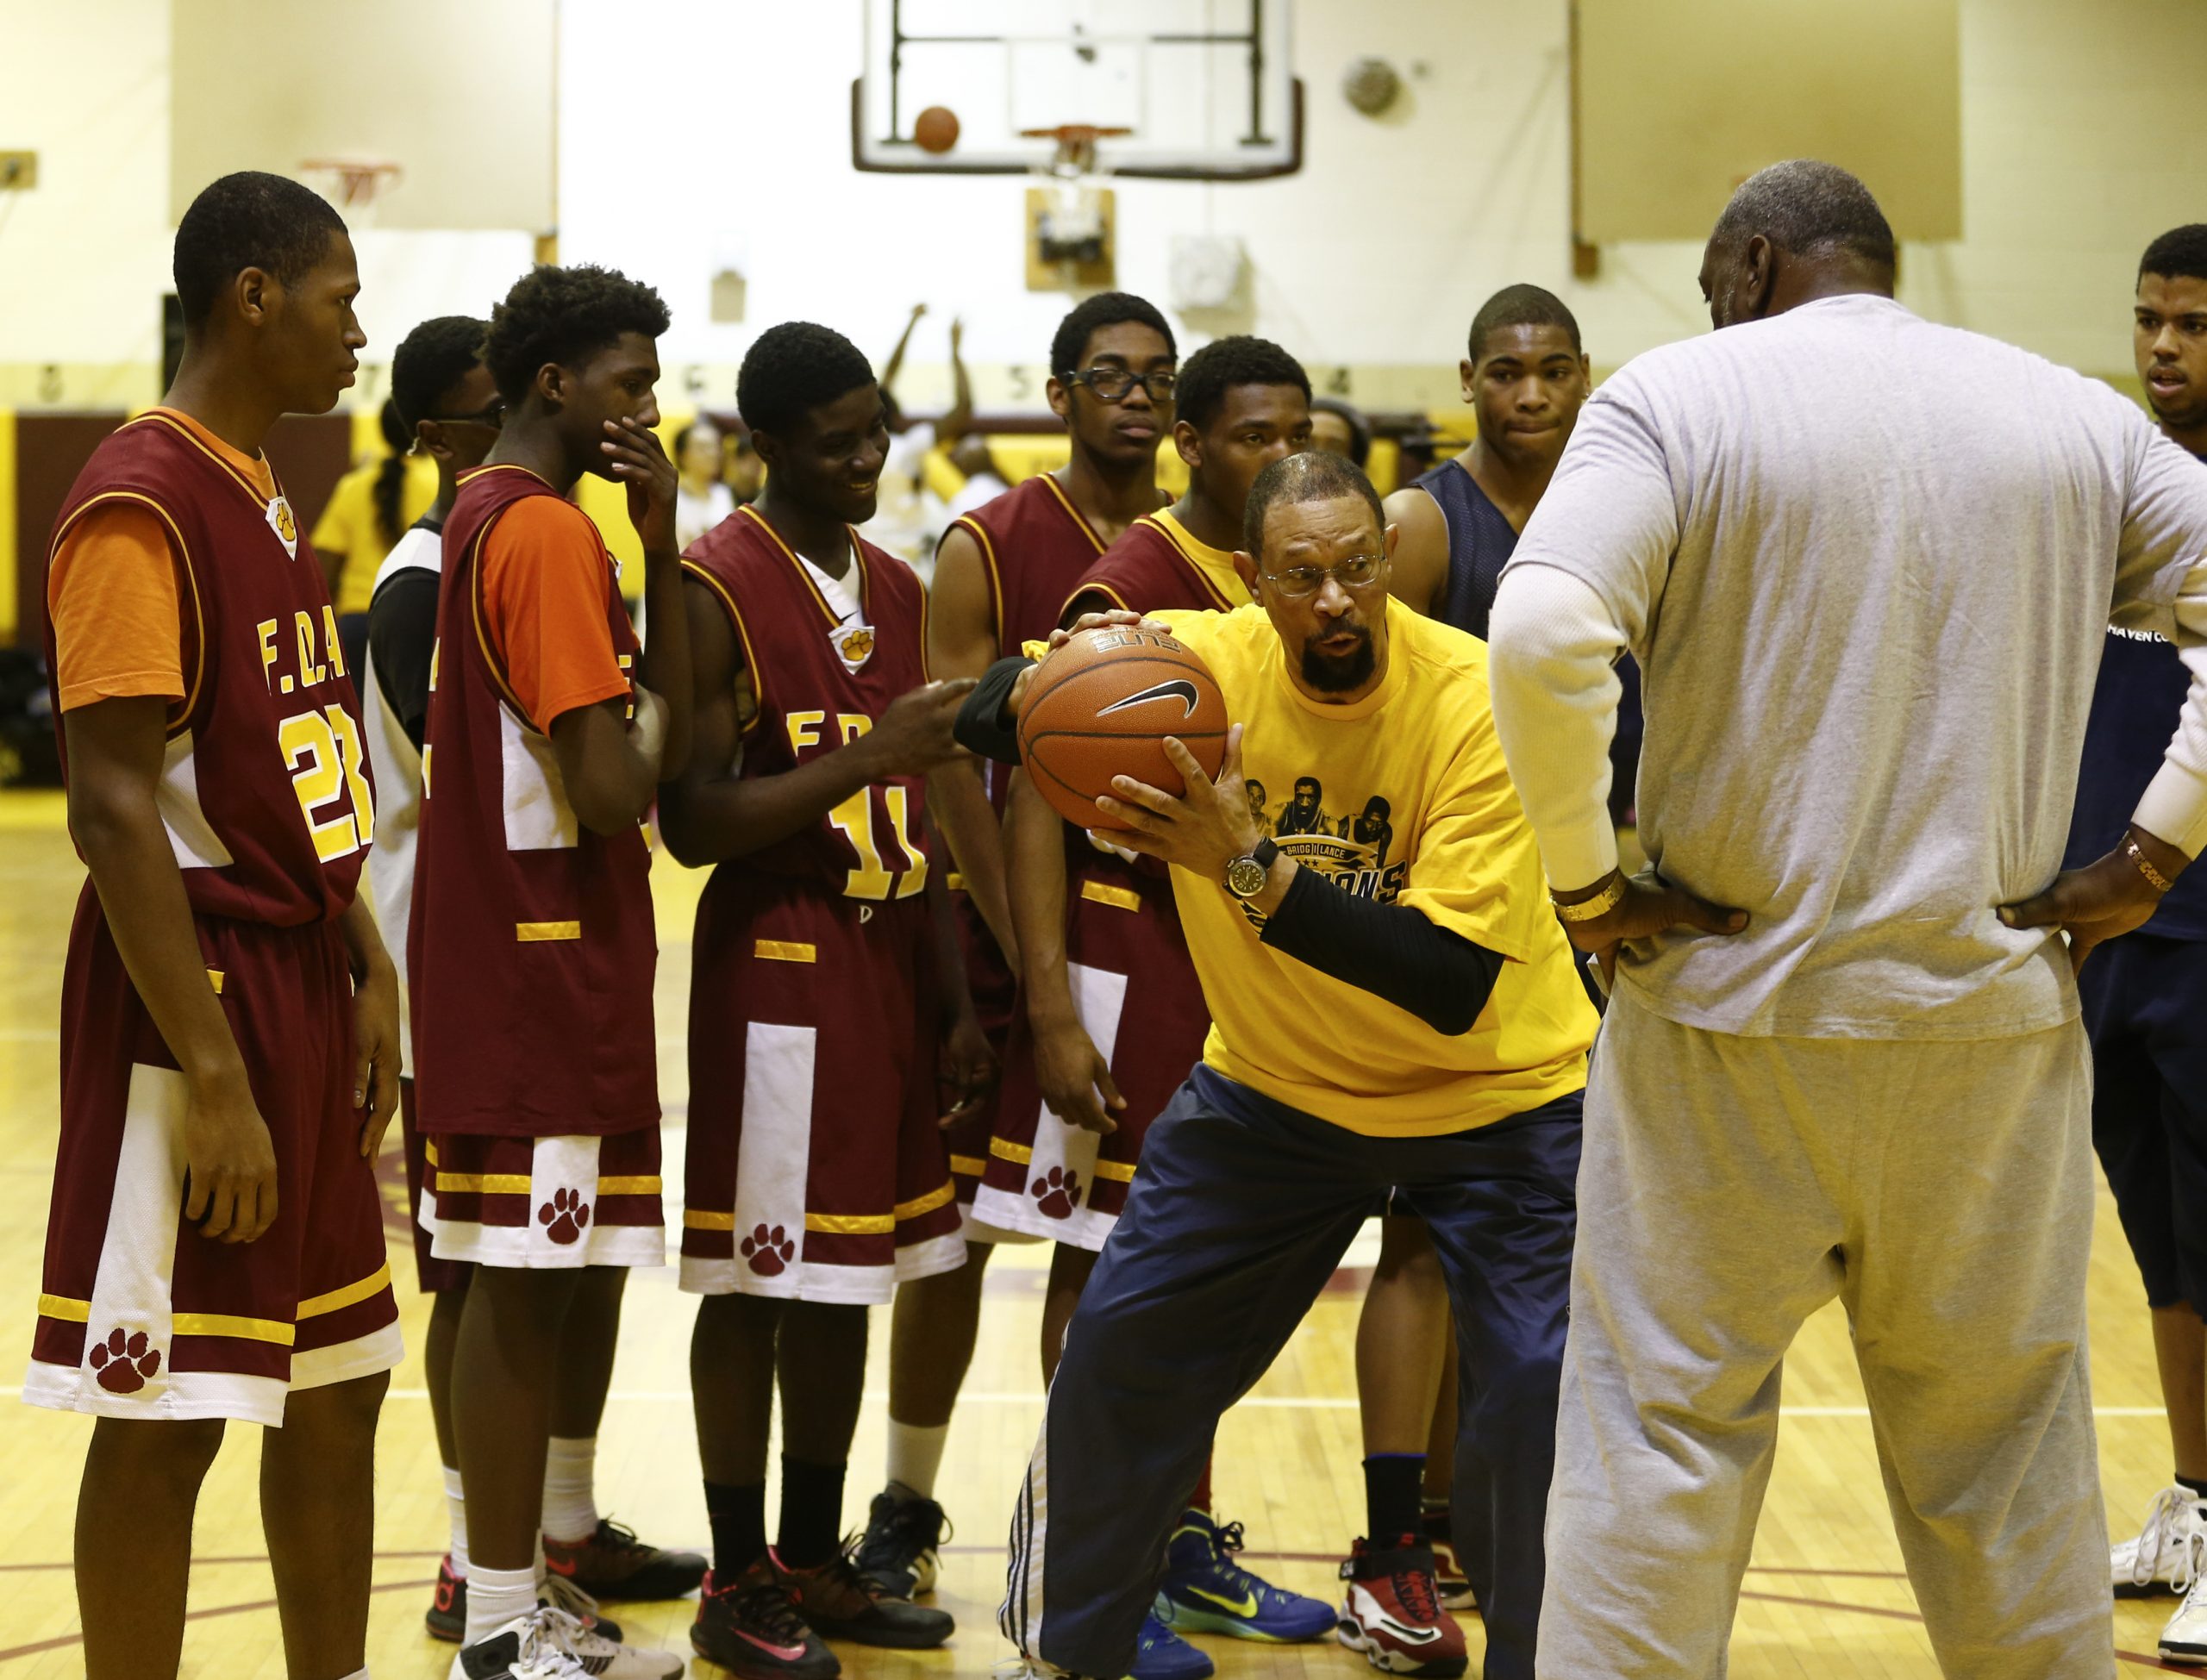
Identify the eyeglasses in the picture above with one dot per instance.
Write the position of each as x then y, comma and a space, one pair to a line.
494, 417
1112, 385
1358, 572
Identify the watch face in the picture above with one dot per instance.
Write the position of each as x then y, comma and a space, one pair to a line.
1245, 877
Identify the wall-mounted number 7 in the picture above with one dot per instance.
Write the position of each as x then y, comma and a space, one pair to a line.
322, 750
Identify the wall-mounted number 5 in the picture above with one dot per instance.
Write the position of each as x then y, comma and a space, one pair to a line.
323, 751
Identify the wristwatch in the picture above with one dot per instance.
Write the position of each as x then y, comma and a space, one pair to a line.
1246, 876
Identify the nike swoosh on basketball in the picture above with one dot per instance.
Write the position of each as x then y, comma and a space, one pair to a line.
1247, 1605
1180, 688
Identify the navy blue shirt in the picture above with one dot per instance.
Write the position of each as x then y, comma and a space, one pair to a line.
2140, 691
1480, 543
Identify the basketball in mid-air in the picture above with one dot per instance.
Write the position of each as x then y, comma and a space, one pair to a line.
1102, 706
935, 128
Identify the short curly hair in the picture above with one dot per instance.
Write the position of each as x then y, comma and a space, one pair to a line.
248, 220
1521, 306
1207, 376
430, 360
1091, 314
566, 315
792, 370
2179, 254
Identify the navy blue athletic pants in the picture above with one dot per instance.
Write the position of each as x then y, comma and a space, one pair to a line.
1240, 1211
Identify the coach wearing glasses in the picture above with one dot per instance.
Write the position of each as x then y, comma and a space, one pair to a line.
1411, 1019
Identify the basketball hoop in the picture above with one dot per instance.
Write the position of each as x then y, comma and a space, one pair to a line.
1076, 148
351, 184
1068, 215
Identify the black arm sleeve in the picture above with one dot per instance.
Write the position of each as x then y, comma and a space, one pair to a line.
1390, 951
980, 726
402, 637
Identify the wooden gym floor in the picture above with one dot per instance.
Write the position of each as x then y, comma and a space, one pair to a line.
1825, 1597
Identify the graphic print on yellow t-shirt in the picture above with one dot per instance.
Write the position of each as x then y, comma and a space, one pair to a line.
1400, 796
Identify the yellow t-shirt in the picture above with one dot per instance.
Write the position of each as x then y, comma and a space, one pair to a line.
348, 525
1401, 797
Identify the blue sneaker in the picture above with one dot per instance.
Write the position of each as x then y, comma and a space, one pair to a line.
1206, 1591
1162, 1654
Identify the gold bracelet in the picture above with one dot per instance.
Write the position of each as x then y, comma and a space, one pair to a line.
1586, 910
2154, 878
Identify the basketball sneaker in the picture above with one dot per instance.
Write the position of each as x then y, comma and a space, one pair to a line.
1392, 1611
838, 1604
447, 1614
901, 1551
551, 1644
750, 1627
1162, 1654
2185, 1640
1447, 1567
2166, 1554
612, 1563
1206, 1591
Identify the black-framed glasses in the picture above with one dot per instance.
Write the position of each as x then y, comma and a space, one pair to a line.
1112, 385
493, 416
1358, 572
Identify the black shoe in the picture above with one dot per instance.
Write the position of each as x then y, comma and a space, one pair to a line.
901, 1551
838, 1605
750, 1626
612, 1563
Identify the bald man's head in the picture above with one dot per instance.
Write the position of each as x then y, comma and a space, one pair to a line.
1792, 232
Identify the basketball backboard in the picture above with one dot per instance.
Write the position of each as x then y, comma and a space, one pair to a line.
1205, 89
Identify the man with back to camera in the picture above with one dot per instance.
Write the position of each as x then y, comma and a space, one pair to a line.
1417, 1029
1866, 566
1002, 574
2143, 993
230, 1030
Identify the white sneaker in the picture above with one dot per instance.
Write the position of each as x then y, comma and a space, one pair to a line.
527, 1648
605, 1658
2185, 1640
2165, 1556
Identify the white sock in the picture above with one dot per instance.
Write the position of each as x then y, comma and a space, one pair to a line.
496, 1596
570, 1468
914, 1455
456, 1507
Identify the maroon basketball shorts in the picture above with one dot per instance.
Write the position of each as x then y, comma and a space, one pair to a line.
545, 1203
816, 1169
141, 1316
996, 1002
1137, 994
435, 1276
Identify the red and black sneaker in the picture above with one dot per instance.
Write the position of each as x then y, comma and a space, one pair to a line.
1392, 1611
612, 1563
750, 1627
447, 1614
1447, 1567
841, 1604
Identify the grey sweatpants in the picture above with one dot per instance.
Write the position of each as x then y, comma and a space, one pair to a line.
1728, 1187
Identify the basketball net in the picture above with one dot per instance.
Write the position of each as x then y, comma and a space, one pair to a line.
352, 184
1071, 226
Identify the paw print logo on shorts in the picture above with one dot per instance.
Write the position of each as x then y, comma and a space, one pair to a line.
124, 1361
769, 1252
566, 1213
1057, 1192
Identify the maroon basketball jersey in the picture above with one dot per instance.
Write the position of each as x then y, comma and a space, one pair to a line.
265, 790
1156, 567
530, 952
820, 681
1035, 545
